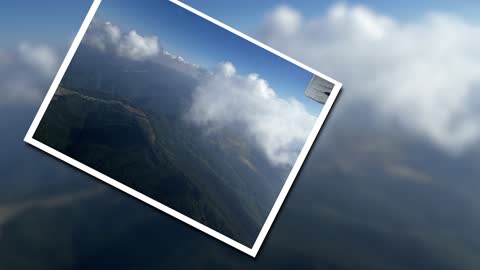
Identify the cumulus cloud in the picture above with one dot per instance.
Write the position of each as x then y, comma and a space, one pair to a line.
107, 36
222, 98
111, 39
25, 73
423, 75
226, 99
285, 20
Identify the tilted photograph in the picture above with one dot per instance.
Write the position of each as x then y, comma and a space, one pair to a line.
186, 115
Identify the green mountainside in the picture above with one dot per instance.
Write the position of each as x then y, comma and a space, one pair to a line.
157, 156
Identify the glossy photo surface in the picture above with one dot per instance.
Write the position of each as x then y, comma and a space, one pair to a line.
184, 114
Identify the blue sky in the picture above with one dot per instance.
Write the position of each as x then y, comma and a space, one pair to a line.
46, 21
50, 21
232, 12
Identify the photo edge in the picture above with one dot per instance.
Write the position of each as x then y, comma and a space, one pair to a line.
61, 71
254, 41
321, 118
139, 196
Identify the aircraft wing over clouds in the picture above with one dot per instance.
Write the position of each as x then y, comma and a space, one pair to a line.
319, 89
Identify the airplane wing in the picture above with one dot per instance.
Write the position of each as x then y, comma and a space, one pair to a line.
319, 89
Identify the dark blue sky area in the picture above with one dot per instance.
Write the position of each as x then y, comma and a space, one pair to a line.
201, 42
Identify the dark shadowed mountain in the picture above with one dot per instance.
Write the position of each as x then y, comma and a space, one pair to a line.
126, 119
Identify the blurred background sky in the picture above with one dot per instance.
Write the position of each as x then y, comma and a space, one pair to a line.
392, 182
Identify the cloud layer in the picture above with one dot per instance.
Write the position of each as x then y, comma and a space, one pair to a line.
223, 99
107, 36
111, 39
25, 73
423, 75
226, 99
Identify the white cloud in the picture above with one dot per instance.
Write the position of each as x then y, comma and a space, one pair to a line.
425, 75
41, 58
107, 36
225, 99
285, 20
25, 72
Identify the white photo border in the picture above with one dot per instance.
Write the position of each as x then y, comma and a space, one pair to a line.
286, 187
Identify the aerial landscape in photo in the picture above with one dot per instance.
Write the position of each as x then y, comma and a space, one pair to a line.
184, 112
